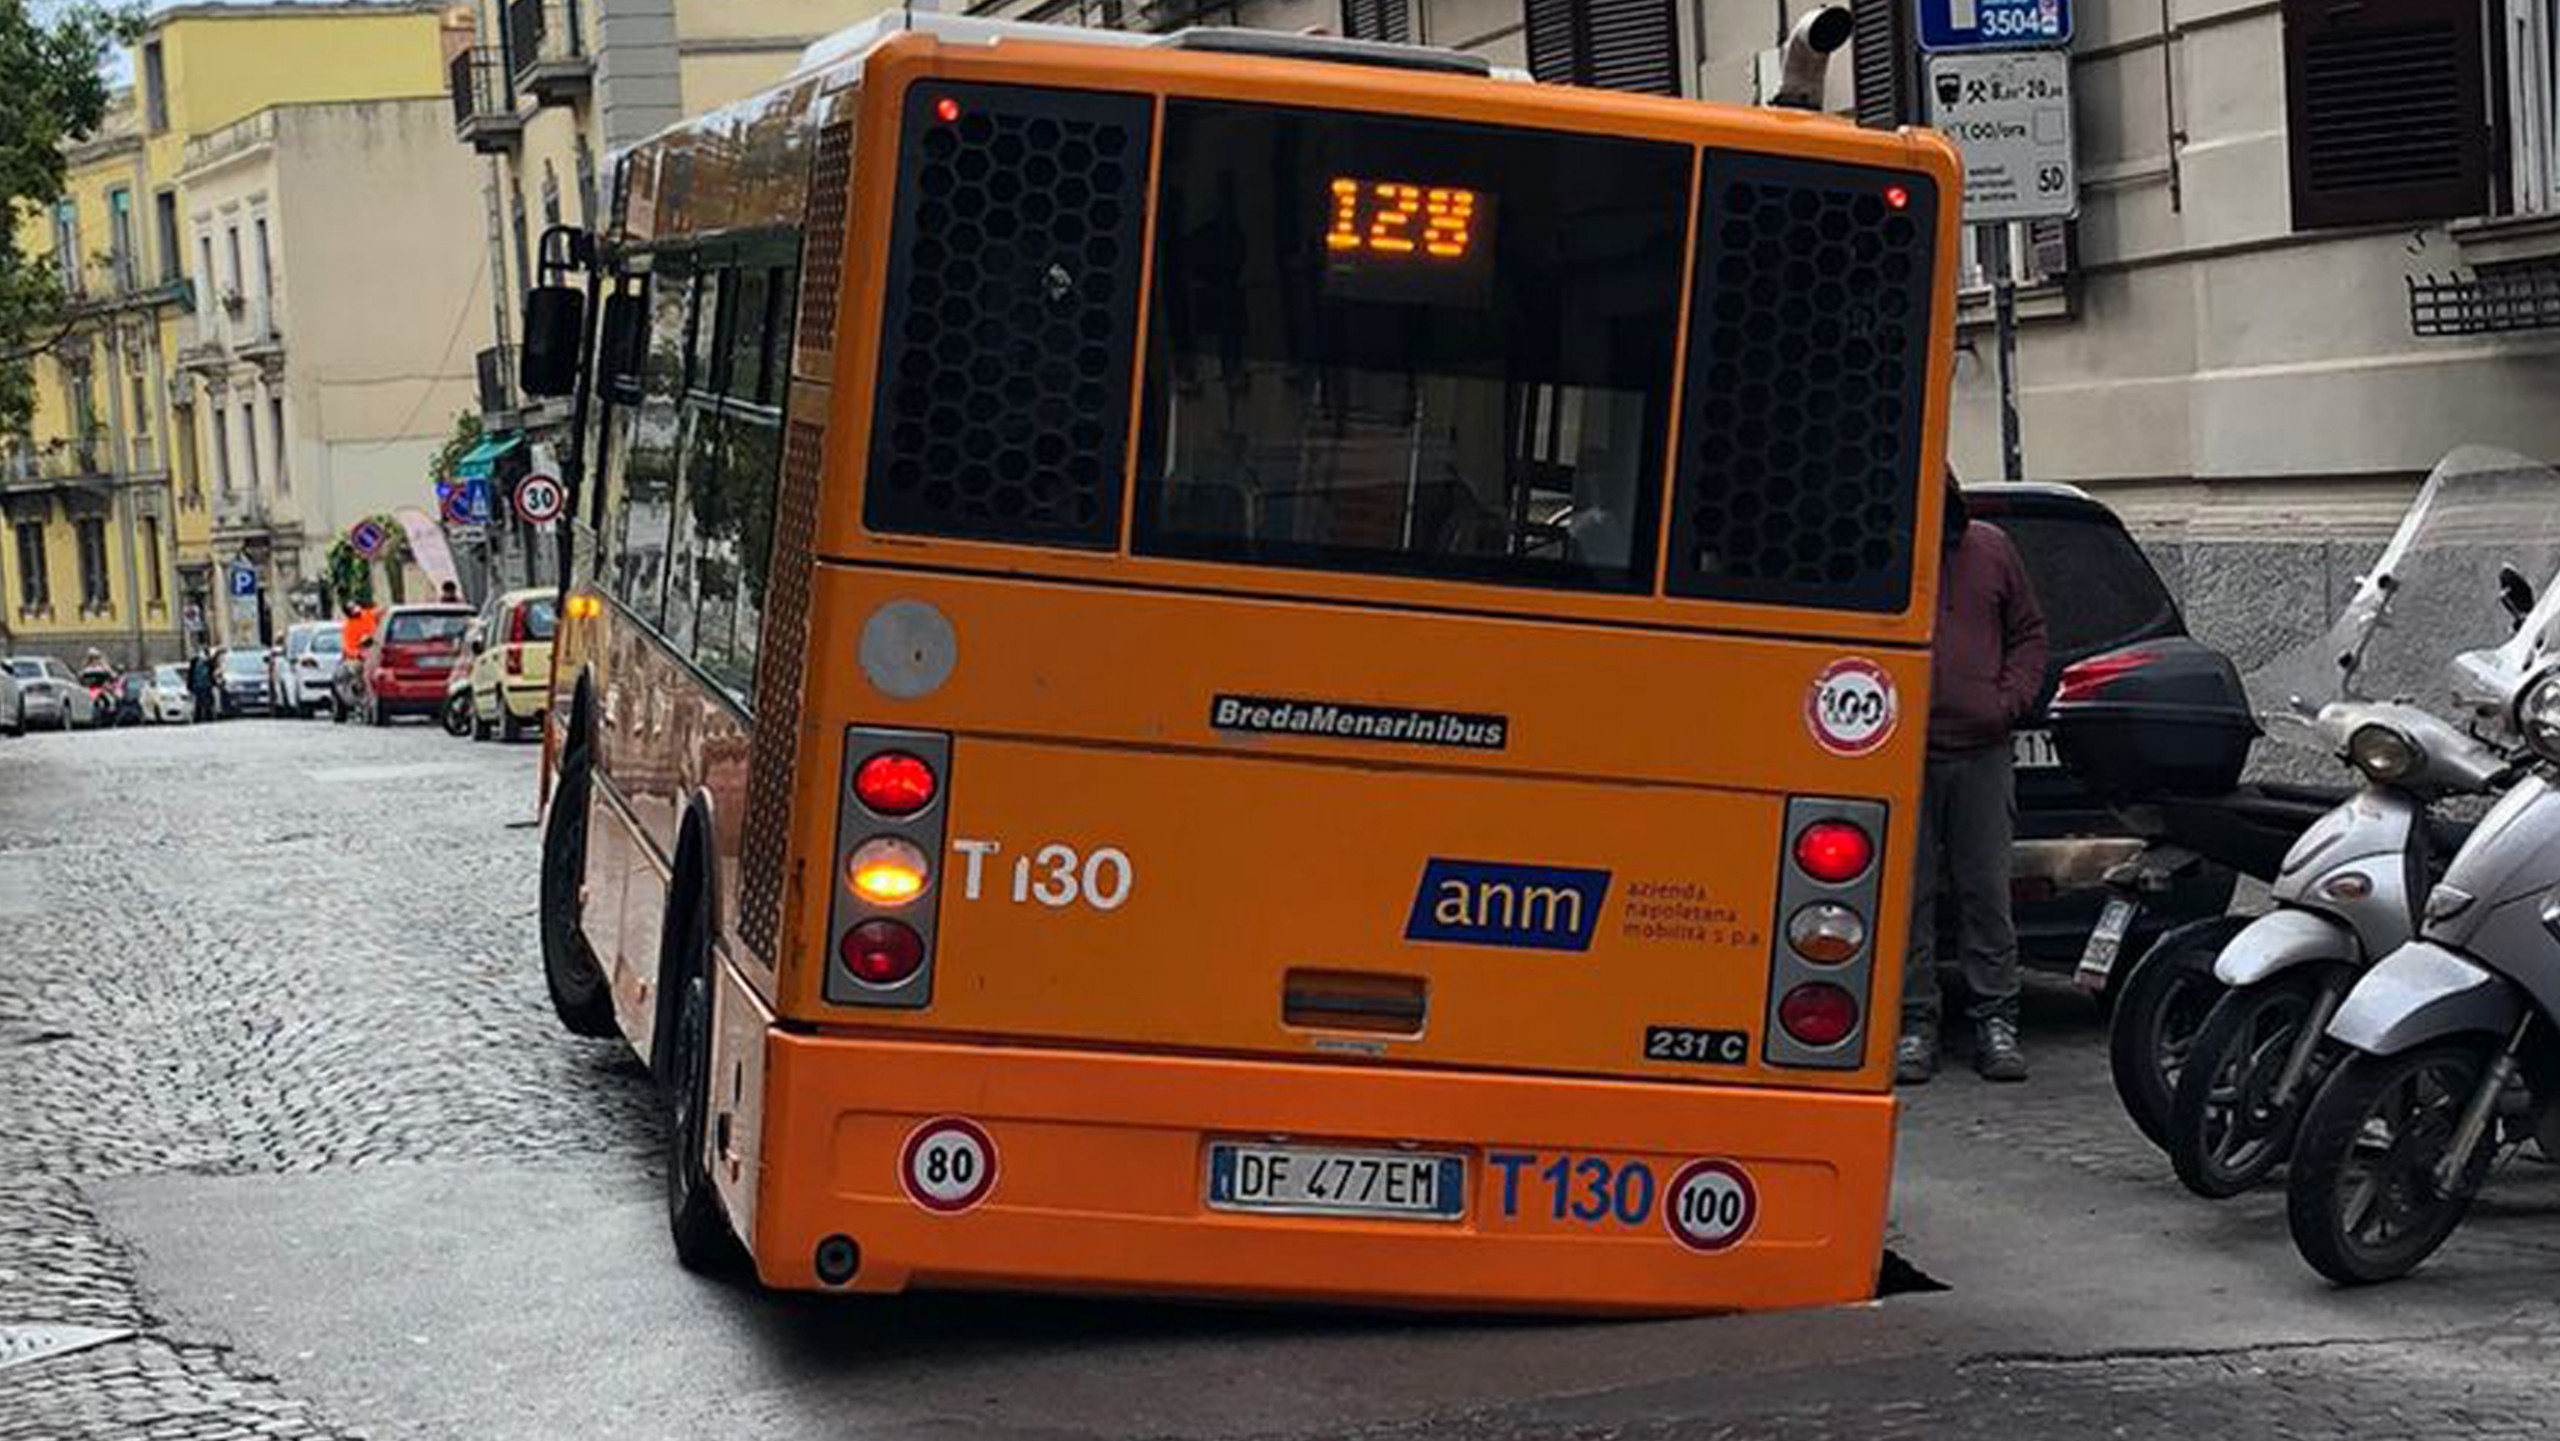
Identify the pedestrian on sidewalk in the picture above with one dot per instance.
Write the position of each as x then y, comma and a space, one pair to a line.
200, 682
1986, 669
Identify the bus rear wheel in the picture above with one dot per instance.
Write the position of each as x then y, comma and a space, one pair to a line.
579, 995
703, 1240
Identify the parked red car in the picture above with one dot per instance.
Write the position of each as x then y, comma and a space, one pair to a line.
410, 658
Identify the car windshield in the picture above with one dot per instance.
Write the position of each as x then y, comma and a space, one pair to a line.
27, 669
327, 642
426, 627
244, 662
541, 619
169, 675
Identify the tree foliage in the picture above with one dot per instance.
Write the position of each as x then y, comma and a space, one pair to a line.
52, 93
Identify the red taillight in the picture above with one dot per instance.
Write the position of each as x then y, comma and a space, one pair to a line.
894, 783
1819, 1013
882, 952
2082, 682
1833, 852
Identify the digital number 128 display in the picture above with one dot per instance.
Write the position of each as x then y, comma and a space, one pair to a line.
1403, 240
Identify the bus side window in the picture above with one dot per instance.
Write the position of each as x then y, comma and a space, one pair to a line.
732, 471
643, 511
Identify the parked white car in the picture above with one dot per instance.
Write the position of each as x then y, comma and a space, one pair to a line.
166, 701
13, 717
304, 666
48, 694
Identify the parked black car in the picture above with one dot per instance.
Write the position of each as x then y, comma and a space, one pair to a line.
240, 682
2099, 592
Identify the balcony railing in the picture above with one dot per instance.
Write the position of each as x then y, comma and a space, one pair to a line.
59, 461
484, 101
550, 52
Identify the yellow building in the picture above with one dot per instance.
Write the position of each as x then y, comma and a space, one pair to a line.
112, 533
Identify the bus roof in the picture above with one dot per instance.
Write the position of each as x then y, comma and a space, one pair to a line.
856, 42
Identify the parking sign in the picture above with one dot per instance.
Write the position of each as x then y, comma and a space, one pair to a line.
1993, 24
2009, 115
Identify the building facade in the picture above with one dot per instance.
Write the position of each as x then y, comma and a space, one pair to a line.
90, 495
546, 91
341, 248
112, 527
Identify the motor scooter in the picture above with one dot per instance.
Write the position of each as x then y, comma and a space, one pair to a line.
2348, 893
2448, 1052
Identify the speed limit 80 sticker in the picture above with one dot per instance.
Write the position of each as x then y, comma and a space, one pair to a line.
1851, 707
948, 1164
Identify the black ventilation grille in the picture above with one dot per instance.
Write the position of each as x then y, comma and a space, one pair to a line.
781, 676
1003, 409
830, 180
1803, 405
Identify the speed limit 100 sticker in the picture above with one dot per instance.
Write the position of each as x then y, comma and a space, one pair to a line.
948, 1164
1710, 1205
1851, 707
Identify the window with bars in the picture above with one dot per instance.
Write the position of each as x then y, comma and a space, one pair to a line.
1388, 20
1605, 44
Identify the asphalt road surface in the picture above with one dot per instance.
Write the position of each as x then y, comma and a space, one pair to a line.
291, 1148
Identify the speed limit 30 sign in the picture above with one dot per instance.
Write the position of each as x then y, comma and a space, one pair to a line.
539, 497
2009, 115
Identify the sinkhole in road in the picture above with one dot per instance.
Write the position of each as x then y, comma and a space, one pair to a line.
1898, 1277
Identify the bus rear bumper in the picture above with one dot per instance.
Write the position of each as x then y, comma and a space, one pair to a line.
1101, 1174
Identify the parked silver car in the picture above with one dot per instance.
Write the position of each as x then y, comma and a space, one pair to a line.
13, 716
48, 695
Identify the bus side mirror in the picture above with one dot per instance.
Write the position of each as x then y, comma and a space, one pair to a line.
554, 316
620, 335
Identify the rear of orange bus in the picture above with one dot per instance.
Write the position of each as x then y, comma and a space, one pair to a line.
1360, 721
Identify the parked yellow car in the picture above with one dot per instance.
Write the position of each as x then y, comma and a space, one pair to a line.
511, 662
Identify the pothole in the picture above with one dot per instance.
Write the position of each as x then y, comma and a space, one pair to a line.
1898, 1277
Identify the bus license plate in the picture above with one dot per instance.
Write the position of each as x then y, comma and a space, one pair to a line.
1331, 1181
2033, 751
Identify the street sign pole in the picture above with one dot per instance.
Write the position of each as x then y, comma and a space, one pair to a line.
2004, 334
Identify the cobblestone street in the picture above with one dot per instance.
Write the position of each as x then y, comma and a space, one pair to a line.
293, 1148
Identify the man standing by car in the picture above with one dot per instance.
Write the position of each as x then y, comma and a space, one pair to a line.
1986, 667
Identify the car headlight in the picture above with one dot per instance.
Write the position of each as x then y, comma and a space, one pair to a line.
2538, 715
2384, 752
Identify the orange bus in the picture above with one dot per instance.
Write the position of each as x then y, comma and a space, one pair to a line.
1257, 666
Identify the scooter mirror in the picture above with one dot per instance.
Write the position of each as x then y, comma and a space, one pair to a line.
2515, 593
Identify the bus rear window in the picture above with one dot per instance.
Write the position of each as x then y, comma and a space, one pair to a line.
1410, 347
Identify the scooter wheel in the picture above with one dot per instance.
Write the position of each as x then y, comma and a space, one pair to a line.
2361, 1194
2158, 1011
2226, 1133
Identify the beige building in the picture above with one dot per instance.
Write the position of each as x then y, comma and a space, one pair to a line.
546, 91
346, 292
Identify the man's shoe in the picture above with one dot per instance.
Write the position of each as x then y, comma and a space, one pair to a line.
1996, 1053
1915, 1057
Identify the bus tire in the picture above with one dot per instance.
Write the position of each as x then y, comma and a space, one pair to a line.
579, 995
704, 1242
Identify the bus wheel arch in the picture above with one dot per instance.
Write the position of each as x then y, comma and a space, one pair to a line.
680, 1053
580, 995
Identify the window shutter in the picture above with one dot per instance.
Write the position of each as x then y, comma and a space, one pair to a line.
1389, 20
1880, 64
2386, 111
1605, 44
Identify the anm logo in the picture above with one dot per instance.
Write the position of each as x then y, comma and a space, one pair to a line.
1491, 903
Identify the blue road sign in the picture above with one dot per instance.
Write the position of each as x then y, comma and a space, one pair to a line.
478, 503
244, 579
1993, 24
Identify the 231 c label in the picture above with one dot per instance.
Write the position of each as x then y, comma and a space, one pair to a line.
1699, 1047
